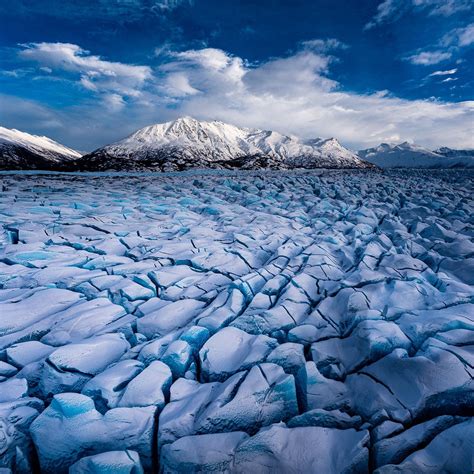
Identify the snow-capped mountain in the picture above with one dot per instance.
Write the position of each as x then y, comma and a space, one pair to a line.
188, 143
20, 150
407, 155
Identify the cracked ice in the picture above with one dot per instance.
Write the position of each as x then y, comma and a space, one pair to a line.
237, 322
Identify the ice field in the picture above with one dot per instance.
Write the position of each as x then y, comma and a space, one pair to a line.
273, 322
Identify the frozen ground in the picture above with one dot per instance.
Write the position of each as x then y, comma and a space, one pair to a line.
281, 322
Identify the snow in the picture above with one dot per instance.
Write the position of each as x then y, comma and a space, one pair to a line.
237, 322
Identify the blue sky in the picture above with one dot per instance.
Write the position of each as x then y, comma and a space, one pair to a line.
88, 73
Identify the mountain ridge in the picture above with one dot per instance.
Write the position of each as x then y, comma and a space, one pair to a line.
408, 155
188, 143
20, 150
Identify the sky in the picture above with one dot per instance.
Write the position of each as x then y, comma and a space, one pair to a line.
88, 73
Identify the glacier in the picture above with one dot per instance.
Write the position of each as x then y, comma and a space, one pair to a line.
221, 321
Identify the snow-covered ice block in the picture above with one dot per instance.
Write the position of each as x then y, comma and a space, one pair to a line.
425, 383
449, 451
231, 350
13, 389
304, 334
7, 370
244, 402
169, 318
22, 319
369, 341
396, 448
107, 387
386, 428
374, 401
419, 325
203, 453
16, 448
289, 356
328, 419
82, 320
317, 391
155, 349
278, 449
69, 367
149, 387
178, 356
71, 428
24, 353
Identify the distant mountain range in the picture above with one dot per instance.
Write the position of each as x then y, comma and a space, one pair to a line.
187, 143
406, 155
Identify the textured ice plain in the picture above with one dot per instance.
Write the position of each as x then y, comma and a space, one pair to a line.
237, 322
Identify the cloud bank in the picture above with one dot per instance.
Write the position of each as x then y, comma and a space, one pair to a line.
291, 94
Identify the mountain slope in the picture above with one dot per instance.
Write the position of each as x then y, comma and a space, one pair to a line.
406, 155
20, 151
188, 143
452, 153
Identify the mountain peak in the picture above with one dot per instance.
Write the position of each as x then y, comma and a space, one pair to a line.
187, 142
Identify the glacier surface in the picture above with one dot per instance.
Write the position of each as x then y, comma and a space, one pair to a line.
237, 322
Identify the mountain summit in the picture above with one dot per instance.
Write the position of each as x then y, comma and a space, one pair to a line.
189, 143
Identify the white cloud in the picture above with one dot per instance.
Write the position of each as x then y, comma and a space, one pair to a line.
446, 48
388, 9
428, 58
292, 94
93, 72
449, 72
466, 35
443, 7
391, 10
118, 11
113, 102
183, 74
323, 45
